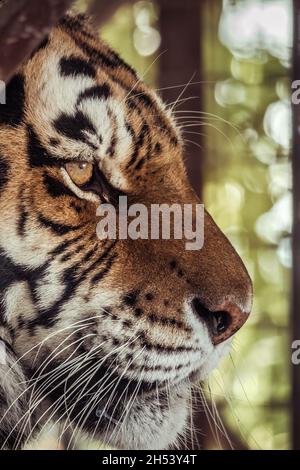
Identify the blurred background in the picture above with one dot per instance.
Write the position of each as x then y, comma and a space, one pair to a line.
224, 67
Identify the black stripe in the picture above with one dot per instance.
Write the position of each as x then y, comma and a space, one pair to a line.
99, 276
145, 100
174, 140
11, 272
160, 119
76, 206
67, 257
138, 144
23, 217
130, 129
12, 112
70, 254
172, 322
113, 142
72, 278
73, 66
133, 105
95, 55
112, 147
37, 154
139, 164
58, 229
62, 247
90, 254
4, 171
164, 349
111, 59
103, 257
56, 188
96, 92
2, 310
77, 250
157, 148
73, 127
76, 23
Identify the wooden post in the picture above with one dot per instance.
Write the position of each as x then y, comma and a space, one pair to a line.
295, 314
180, 63
101, 11
23, 25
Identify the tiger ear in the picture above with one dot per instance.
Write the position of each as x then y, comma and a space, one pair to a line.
13, 399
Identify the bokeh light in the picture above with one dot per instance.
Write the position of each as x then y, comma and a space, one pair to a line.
252, 92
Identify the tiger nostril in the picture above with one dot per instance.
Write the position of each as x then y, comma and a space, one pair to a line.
217, 322
222, 322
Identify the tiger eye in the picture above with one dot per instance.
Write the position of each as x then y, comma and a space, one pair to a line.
80, 172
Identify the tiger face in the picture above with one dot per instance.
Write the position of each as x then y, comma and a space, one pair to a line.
106, 334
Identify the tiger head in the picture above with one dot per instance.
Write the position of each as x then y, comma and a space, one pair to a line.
107, 334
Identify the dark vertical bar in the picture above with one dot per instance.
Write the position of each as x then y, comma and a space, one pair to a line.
101, 11
296, 233
23, 25
179, 63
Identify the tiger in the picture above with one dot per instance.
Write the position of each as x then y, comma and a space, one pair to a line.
103, 337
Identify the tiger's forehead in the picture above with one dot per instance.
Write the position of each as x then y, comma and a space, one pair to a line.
85, 103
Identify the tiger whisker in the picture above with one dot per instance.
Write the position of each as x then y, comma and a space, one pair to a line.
119, 399
49, 337
38, 399
56, 404
183, 91
12, 404
128, 407
90, 373
142, 76
94, 400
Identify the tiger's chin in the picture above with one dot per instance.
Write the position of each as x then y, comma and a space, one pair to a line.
150, 422
156, 419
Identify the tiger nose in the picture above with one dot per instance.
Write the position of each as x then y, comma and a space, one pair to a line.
223, 321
